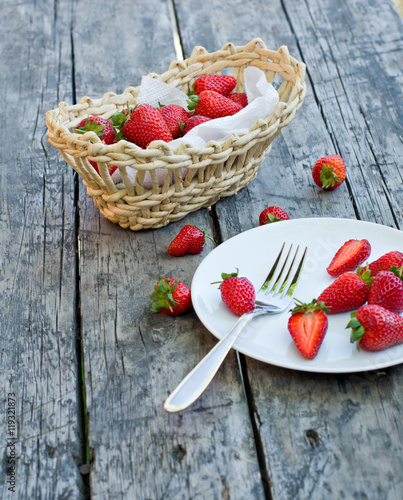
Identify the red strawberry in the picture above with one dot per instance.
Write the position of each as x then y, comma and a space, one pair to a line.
104, 131
329, 172
174, 116
308, 326
386, 290
223, 84
213, 105
193, 121
100, 126
237, 293
352, 254
190, 239
146, 125
272, 214
239, 97
375, 328
385, 262
171, 297
349, 291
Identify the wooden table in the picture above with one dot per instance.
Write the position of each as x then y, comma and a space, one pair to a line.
86, 362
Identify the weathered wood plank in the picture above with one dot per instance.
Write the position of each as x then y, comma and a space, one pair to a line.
335, 434
38, 361
134, 358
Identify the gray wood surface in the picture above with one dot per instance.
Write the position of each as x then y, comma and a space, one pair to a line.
38, 353
75, 288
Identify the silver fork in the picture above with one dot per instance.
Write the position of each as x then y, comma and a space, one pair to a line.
273, 297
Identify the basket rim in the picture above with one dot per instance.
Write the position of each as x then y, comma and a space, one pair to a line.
57, 118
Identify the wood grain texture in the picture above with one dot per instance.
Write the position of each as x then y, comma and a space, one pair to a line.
336, 436
37, 268
134, 358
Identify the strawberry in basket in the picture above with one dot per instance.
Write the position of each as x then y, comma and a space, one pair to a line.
223, 84
104, 131
144, 125
213, 105
174, 116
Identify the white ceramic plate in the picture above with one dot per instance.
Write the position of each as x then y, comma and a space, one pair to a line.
266, 338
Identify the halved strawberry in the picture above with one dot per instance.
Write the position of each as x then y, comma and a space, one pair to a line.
308, 325
352, 254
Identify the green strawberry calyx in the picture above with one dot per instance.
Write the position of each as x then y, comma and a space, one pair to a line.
302, 307
357, 330
397, 272
193, 101
271, 218
225, 276
365, 274
162, 296
328, 177
91, 126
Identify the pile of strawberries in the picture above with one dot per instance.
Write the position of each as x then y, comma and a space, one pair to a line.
376, 290
212, 97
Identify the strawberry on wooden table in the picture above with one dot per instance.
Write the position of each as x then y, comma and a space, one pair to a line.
223, 84
190, 239
308, 326
237, 293
103, 129
349, 291
144, 125
375, 328
171, 297
385, 262
174, 116
272, 214
386, 290
213, 105
329, 172
349, 256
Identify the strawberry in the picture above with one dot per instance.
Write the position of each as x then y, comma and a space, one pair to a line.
349, 256
386, 290
100, 126
272, 214
349, 291
223, 84
237, 293
193, 121
171, 297
174, 116
239, 97
213, 105
190, 239
385, 262
104, 131
145, 125
329, 172
308, 325
375, 328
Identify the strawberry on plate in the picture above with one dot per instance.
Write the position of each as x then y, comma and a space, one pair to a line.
213, 105
375, 328
144, 125
190, 239
386, 290
385, 262
349, 256
174, 116
272, 214
171, 297
349, 291
223, 84
308, 326
237, 293
329, 172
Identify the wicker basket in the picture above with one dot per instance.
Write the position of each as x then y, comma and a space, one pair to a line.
219, 169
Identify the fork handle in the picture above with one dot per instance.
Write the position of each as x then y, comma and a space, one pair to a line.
193, 385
